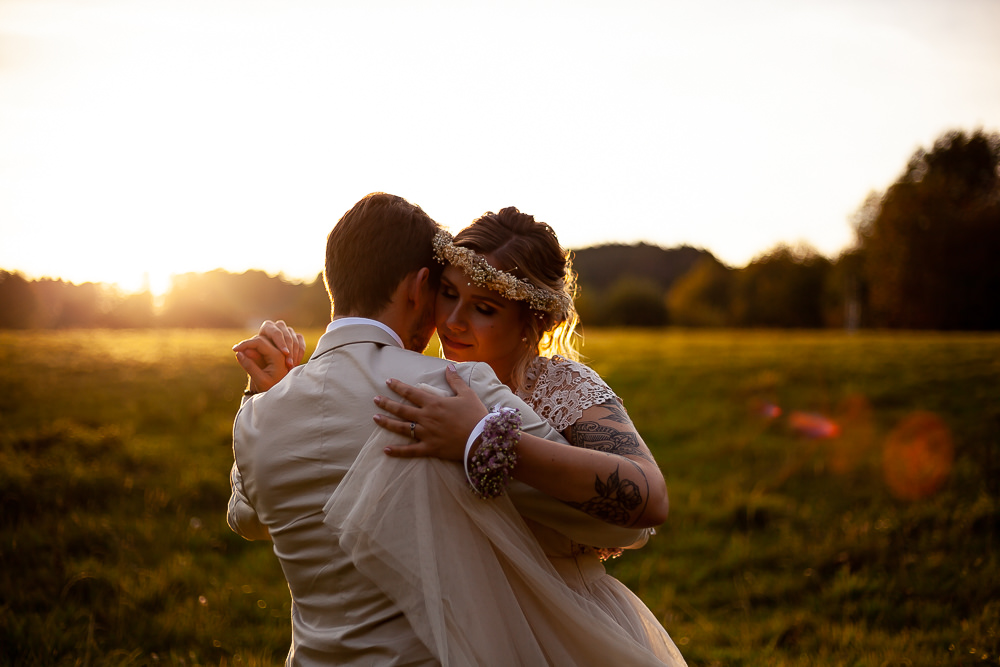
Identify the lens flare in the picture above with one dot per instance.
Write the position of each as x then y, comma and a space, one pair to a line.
765, 409
917, 456
770, 411
813, 425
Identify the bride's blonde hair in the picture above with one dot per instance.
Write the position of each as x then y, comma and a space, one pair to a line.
529, 249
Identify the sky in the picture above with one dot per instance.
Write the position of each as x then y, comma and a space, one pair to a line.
141, 139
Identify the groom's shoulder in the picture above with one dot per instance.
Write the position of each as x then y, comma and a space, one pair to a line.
412, 367
415, 368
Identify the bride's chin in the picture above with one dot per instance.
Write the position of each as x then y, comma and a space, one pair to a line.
451, 354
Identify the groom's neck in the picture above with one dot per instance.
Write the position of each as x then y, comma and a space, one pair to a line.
388, 317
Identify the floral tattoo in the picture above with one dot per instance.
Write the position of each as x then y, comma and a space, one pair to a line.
591, 435
615, 501
616, 413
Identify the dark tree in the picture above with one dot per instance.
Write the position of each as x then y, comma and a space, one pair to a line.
930, 247
783, 288
703, 296
635, 302
625, 284
600, 267
846, 292
17, 302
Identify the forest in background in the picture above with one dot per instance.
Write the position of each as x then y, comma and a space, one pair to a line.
923, 258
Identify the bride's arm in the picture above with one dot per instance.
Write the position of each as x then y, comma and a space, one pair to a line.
610, 474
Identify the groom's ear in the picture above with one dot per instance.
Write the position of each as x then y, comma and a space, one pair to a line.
420, 286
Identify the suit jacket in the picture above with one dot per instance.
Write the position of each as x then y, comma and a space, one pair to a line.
293, 446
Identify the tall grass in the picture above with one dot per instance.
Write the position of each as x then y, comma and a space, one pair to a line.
786, 549
806, 527
114, 452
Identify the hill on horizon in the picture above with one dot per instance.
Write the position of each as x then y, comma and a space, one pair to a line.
599, 267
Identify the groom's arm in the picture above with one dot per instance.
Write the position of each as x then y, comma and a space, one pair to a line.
267, 358
241, 516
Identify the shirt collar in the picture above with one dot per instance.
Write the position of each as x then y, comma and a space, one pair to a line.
344, 321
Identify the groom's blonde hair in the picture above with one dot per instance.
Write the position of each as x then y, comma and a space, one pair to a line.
373, 246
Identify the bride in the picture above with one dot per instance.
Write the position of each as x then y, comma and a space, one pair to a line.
461, 566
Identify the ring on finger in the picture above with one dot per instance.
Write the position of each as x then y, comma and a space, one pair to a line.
413, 430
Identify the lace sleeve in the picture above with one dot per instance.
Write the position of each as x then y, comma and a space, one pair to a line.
559, 390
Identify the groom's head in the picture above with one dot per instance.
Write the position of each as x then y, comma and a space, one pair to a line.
372, 248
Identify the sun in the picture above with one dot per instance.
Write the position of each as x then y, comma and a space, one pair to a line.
156, 283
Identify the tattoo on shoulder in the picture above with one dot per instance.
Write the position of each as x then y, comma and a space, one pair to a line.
616, 412
591, 435
615, 501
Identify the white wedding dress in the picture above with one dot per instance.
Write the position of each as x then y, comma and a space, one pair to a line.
480, 584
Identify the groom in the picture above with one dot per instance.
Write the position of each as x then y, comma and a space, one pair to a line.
294, 443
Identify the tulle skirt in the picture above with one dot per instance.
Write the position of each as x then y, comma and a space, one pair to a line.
473, 579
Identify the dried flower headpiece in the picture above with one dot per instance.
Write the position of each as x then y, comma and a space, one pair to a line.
507, 285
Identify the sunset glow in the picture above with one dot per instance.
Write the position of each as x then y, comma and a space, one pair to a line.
143, 140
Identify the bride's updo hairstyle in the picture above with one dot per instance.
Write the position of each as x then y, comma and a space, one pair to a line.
528, 249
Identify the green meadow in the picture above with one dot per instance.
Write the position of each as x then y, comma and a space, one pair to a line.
834, 498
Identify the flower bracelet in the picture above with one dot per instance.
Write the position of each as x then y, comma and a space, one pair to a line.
489, 469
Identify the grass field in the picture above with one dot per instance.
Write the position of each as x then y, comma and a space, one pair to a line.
834, 498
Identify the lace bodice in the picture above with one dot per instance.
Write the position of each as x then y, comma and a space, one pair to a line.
559, 390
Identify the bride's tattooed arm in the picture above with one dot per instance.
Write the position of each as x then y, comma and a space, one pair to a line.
612, 439
616, 499
619, 498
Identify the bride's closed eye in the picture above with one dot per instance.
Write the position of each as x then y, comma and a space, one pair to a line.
485, 310
450, 293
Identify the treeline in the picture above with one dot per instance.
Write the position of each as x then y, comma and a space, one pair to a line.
923, 258
216, 299
787, 287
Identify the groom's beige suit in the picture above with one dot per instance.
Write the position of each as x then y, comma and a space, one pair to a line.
293, 446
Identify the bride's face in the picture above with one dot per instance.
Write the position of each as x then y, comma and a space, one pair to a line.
477, 324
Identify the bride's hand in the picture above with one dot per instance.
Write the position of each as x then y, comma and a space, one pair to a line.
439, 425
268, 356
284, 337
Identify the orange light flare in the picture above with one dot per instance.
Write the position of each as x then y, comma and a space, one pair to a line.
813, 425
917, 456
765, 409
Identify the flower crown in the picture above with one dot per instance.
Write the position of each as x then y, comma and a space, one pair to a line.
483, 274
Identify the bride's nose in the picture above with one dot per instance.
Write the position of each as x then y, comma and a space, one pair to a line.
455, 321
